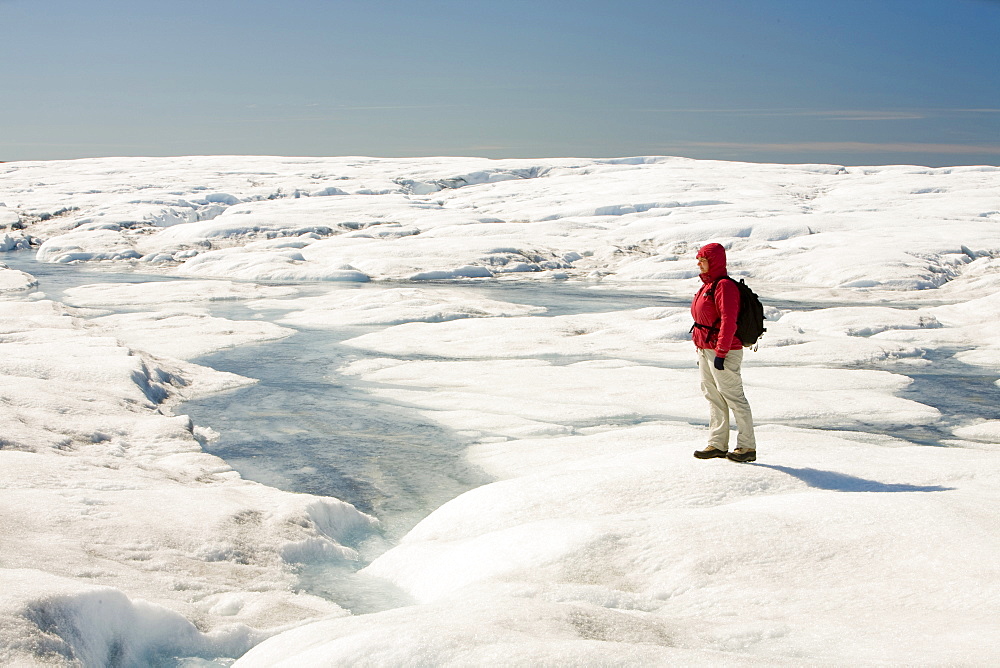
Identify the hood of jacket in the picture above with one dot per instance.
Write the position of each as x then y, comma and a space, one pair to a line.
716, 255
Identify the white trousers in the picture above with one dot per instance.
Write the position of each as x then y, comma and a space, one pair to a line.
724, 391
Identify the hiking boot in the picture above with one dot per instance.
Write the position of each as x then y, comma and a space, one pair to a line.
742, 455
709, 453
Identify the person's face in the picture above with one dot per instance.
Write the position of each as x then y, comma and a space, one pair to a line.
703, 264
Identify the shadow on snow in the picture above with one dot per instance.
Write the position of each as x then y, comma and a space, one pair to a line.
841, 482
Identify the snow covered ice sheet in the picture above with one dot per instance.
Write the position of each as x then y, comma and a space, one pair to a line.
12, 280
865, 534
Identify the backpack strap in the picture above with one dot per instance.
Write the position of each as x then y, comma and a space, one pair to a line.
711, 290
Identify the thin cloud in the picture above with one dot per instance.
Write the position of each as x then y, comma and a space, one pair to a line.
829, 114
892, 115
859, 115
853, 147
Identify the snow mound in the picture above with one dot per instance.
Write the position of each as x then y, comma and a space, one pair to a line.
389, 307
168, 292
987, 431
59, 621
12, 280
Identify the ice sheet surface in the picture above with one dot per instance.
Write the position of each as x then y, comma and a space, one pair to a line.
491, 357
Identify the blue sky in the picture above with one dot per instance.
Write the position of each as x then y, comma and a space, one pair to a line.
845, 81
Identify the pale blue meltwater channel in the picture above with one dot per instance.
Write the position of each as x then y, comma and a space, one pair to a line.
305, 428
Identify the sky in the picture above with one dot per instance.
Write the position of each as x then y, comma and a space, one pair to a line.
853, 82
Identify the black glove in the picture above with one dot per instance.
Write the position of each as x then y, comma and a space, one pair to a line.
720, 363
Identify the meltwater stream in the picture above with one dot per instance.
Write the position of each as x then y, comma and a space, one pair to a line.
304, 428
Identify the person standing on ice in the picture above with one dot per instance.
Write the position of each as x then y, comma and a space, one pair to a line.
720, 354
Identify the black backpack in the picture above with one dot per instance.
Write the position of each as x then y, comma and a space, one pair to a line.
750, 321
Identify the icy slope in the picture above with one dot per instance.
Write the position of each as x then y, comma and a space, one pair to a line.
865, 534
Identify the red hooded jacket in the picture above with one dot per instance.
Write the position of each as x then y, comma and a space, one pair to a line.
718, 308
